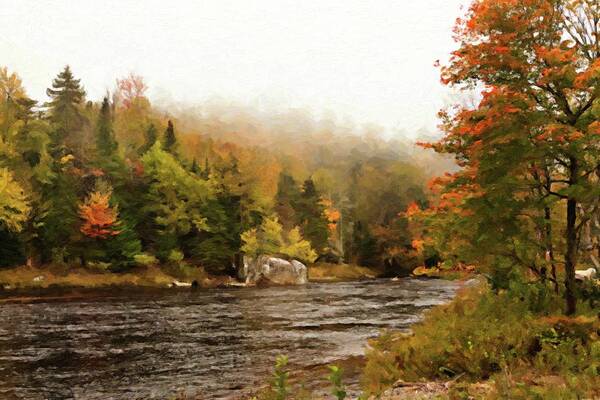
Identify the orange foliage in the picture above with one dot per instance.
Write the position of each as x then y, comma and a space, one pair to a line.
99, 218
331, 213
412, 210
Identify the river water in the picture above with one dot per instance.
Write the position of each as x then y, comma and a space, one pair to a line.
217, 343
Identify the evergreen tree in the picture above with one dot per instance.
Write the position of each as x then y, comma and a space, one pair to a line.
194, 169
106, 144
366, 245
205, 174
170, 140
288, 196
66, 96
150, 137
311, 214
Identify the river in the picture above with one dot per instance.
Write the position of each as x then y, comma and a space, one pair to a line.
219, 343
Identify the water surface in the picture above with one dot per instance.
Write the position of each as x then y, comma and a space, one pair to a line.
219, 343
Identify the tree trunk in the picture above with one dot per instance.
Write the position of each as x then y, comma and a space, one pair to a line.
571, 236
549, 246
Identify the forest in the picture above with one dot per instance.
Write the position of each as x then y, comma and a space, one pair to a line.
116, 183
502, 203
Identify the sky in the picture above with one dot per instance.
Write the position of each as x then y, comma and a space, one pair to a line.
371, 62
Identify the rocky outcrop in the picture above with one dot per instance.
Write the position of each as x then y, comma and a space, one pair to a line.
272, 270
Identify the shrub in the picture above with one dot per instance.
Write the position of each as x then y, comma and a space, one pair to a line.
145, 259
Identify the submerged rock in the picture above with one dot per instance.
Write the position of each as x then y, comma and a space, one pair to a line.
266, 270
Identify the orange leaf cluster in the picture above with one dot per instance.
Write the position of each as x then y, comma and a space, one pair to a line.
99, 218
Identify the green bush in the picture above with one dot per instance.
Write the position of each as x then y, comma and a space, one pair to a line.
145, 259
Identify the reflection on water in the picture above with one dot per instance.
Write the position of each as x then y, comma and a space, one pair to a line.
219, 343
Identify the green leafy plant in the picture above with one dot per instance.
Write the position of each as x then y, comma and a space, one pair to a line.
335, 377
280, 385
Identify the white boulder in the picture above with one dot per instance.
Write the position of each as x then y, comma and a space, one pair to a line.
273, 270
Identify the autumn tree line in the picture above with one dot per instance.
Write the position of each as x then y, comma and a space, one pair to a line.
526, 202
118, 183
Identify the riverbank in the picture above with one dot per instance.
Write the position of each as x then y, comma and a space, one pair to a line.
468, 349
23, 280
327, 272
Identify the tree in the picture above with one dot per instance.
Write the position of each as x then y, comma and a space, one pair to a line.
106, 144
14, 206
66, 96
11, 93
287, 198
534, 137
170, 140
312, 218
270, 238
100, 220
150, 137
131, 89
176, 199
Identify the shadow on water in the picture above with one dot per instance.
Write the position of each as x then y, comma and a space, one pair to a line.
219, 343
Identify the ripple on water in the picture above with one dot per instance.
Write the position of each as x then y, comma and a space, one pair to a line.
217, 343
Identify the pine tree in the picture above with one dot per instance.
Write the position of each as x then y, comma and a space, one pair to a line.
170, 140
66, 97
106, 143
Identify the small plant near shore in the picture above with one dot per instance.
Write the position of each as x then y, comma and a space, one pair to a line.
280, 386
335, 377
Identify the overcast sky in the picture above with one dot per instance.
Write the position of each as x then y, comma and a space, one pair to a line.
370, 61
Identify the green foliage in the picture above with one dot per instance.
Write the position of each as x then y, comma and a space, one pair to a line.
335, 377
58, 219
311, 217
280, 378
170, 140
176, 199
288, 195
66, 96
150, 137
270, 238
106, 144
296, 247
145, 259
14, 206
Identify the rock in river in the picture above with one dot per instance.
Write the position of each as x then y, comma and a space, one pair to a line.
272, 270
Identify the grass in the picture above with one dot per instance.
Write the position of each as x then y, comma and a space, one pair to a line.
326, 272
24, 277
505, 345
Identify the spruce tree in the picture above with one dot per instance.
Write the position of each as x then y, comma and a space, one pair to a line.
66, 96
106, 144
170, 141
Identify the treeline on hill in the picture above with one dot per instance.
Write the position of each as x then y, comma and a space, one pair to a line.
114, 184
